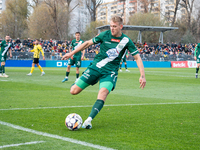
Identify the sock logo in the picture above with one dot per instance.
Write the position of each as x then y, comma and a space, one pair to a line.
96, 109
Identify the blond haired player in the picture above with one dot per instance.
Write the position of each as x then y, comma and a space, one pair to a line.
37, 49
105, 66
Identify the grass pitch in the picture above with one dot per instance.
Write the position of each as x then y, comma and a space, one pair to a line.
165, 115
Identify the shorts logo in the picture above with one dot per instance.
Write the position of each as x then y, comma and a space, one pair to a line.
115, 40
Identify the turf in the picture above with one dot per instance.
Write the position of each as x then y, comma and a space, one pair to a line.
165, 115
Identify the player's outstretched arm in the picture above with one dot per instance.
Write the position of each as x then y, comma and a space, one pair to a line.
195, 58
142, 79
83, 46
10, 51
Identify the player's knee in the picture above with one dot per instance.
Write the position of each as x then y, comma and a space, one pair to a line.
74, 90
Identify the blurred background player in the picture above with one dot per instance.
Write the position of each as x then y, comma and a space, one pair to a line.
76, 58
105, 66
124, 60
37, 49
5, 46
197, 58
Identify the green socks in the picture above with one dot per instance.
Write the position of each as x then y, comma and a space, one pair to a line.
0, 69
3, 68
77, 75
120, 66
197, 70
96, 108
67, 73
126, 66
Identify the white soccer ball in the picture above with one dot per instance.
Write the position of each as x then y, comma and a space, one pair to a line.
73, 121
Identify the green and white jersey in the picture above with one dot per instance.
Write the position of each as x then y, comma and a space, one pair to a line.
197, 52
111, 50
4, 48
74, 44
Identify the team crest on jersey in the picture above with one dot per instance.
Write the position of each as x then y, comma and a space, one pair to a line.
87, 71
115, 40
112, 53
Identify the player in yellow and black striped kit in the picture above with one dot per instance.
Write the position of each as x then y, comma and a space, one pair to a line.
37, 49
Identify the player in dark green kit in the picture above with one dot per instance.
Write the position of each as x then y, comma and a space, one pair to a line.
197, 58
104, 68
123, 60
76, 58
5, 47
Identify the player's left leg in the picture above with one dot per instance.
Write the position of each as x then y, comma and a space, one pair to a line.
78, 65
77, 73
105, 88
38, 65
124, 60
3, 69
197, 70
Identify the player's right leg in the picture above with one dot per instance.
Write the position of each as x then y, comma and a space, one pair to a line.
120, 67
32, 69
67, 73
1, 70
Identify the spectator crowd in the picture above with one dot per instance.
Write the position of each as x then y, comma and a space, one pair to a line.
58, 48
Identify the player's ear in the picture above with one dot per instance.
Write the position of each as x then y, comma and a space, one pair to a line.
121, 26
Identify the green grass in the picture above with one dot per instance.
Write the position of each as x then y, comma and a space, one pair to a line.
164, 117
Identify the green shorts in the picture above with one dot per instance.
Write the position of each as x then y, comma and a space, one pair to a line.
198, 60
76, 61
123, 60
93, 75
2, 58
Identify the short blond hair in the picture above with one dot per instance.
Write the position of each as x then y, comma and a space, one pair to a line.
117, 19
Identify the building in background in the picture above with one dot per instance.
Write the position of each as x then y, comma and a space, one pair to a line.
125, 8
79, 17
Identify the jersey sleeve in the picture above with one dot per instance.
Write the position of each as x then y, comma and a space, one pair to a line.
41, 50
132, 48
98, 38
71, 44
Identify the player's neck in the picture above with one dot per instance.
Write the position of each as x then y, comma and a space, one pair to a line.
77, 39
118, 35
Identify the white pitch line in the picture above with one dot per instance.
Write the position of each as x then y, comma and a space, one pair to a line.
111, 105
27, 143
55, 136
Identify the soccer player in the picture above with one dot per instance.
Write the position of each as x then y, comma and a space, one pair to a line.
124, 60
76, 58
37, 49
197, 58
5, 46
105, 65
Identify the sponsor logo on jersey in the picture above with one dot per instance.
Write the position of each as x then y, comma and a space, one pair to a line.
115, 40
107, 42
112, 53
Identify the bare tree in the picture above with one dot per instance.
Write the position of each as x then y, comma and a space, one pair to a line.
92, 6
14, 18
53, 11
188, 5
175, 12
